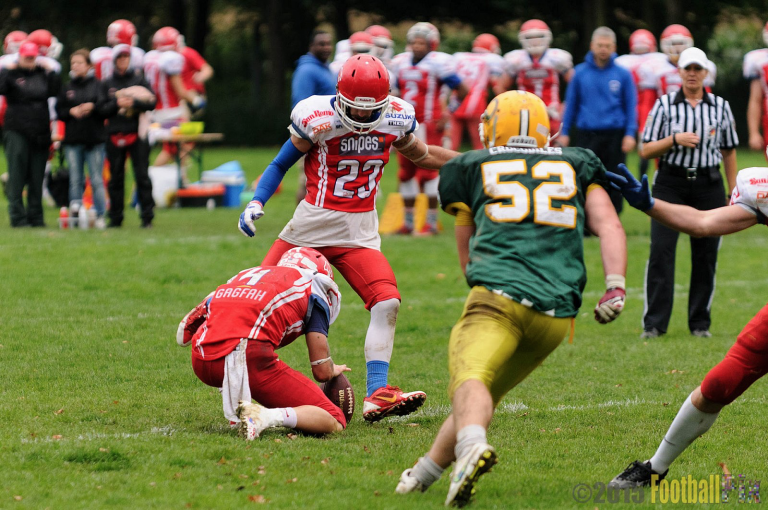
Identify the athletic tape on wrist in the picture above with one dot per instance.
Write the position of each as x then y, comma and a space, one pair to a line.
320, 361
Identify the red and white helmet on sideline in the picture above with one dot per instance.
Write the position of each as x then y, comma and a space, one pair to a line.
48, 45
12, 41
166, 39
363, 84
360, 42
642, 41
535, 37
765, 34
306, 258
675, 39
122, 31
382, 40
486, 43
426, 31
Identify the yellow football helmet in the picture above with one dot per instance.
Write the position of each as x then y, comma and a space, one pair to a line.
515, 118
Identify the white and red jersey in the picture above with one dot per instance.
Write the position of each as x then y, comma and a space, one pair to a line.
756, 68
343, 171
342, 53
159, 66
269, 304
193, 63
478, 71
751, 192
645, 100
540, 76
420, 83
104, 65
343, 168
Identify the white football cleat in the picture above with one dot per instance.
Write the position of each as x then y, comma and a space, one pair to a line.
466, 472
253, 420
409, 483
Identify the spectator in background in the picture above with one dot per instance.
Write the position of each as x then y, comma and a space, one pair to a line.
312, 77
80, 106
602, 103
195, 73
128, 96
27, 86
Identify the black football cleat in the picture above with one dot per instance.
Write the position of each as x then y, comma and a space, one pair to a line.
637, 474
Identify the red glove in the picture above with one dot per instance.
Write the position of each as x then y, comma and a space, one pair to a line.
190, 324
610, 305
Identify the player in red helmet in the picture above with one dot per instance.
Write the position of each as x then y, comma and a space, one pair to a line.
12, 41
120, 31
347, 139
420, 74
538, 68
480, 70
755, 67
163, 67
357, 44
47, 42
383, 43
235, 331
642, 49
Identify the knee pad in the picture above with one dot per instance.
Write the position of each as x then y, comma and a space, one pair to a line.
387, 309
430, 187
409, 189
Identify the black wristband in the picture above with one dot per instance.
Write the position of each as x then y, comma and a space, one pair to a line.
674, 141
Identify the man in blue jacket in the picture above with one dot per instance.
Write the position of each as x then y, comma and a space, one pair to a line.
602, 101
312, 76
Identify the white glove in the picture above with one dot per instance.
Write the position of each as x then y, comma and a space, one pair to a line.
252, 212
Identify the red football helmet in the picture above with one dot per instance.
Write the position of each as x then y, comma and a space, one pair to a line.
122, 31
486, 43
642, 41
12, 41
166, 39
382, 37
675, 39
47, 43
363, 84
535, 37
426, 31
360, 42
306, 258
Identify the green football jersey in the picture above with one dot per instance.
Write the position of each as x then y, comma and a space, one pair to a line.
528, 209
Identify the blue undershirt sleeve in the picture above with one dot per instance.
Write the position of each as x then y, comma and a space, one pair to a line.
452, 81
275, 171
318, 321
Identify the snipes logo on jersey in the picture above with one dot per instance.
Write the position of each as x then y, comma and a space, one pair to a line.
366, 145
316, 115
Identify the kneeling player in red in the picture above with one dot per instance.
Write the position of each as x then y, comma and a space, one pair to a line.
236, 329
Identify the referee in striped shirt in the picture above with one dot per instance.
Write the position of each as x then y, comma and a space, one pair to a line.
691, 131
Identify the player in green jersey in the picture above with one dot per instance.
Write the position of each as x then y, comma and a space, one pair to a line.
521, 208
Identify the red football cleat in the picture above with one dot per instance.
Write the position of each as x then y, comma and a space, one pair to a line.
391, 401
405, 230
427, 230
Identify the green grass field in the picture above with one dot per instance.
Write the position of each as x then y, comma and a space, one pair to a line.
100, 407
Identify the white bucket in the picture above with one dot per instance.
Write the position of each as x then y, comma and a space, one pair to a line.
165, 183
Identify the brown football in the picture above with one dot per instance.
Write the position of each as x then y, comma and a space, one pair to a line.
339, 391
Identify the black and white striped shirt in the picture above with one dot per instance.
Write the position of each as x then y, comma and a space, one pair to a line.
711, 119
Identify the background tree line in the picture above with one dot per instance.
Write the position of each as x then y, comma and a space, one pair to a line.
253, 45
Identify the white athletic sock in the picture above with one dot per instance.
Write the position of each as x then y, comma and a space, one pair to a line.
467, 437
287, 417
380, 337
689, 424
426, 471
432, 217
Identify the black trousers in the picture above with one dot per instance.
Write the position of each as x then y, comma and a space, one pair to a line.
703, 193
26, 167
139, 152
606, 144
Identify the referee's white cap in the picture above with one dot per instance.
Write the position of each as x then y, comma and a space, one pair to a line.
692, 56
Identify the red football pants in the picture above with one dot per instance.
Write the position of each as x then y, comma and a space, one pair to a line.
366, 270
272, 382
458, 125
745, 363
